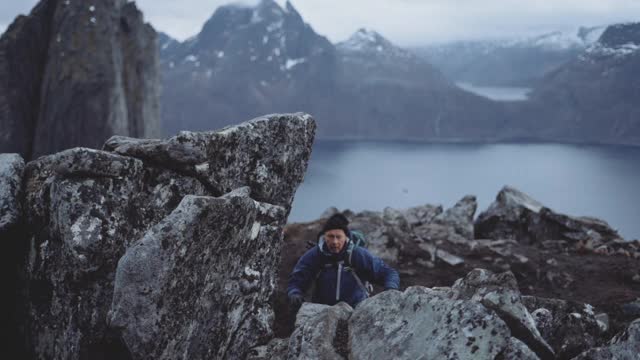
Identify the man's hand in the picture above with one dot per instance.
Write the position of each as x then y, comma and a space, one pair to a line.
296, 300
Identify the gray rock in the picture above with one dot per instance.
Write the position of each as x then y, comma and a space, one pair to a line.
424, 214
517, 350
322, 333
85, 208
257, 153
421, 323
514, 215
569, 327
383, 240
623, 346
11, 171
499, 292
441, 254
276, 349
193, 254
434, 233
308, 311
544, 322
92, 72
460, 216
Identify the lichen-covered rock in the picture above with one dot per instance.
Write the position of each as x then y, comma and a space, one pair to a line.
515, 215
276, 349
92, 72
11, 170
623, 346
517, 350
499, 292
257, 153
84, 208
188, 287
568, 326
421, 323
321, 333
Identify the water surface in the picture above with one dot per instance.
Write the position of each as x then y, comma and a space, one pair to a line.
498, 93
599, 181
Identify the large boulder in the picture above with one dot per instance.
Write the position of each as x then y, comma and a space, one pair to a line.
322, 334
515, 215
499, 292
185, 291
422, 323
75, 73
92, 218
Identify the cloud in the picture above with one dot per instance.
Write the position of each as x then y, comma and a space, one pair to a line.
9, 10
406, 22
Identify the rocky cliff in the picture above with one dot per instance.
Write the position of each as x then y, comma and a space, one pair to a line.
156, 249
74, 73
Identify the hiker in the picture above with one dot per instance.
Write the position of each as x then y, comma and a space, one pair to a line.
339, 267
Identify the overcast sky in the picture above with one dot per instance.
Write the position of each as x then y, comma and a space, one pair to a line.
405, 22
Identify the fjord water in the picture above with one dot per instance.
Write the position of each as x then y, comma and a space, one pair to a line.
579, 180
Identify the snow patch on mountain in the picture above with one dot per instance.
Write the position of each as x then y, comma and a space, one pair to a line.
615, 51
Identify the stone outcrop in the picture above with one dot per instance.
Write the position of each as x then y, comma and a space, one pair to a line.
74, 74
165, 250
515, 215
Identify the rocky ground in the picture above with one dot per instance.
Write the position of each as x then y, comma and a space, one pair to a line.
551, 255
168, 249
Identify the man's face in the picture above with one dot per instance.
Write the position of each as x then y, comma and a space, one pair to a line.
335, 240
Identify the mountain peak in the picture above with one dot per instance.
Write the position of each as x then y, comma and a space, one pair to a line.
621, 34
366, 40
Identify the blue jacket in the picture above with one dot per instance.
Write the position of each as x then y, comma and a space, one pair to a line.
330, 268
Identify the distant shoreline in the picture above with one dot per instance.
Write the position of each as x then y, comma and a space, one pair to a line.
523, 141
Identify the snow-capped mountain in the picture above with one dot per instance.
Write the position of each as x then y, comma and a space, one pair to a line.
367, 54
248, 61
511, 61
620, 40
593, 97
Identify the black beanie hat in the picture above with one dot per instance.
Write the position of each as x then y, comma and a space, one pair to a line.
337, 221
